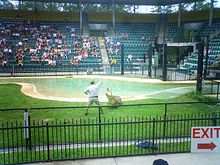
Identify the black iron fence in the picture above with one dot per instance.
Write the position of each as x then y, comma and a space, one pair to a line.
50, 114
62, 133
212, 87
131, 69
17, 71
90, 138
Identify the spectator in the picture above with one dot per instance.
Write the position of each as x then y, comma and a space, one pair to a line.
129, 59
89, 71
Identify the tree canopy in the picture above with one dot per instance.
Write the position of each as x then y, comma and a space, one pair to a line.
6, 4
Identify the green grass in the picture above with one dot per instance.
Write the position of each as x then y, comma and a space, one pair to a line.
12, 97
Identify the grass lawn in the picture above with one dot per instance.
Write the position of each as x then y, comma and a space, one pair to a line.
12, 97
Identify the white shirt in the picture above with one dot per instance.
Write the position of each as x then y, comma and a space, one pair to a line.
93, 90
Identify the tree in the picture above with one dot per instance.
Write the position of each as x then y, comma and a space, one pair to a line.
202, 5
157, 9
162, 9
5, 4
70, 7
28, 5
185, 7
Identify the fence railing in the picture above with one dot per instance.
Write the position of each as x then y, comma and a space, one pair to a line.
212, 88
16, 71
49, 114
90, 138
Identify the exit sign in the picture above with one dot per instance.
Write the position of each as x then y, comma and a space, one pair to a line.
205, 139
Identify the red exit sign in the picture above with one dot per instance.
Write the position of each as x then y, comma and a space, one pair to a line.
205, 139
209, 132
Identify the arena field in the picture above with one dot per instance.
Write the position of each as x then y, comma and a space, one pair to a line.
71, 88
25, 93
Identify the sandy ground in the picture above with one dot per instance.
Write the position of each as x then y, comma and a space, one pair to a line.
31, 90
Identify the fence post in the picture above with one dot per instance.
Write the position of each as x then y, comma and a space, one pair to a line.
48, 142
100, 126
217, 89
214, 119
153, 141
12, 71
27, 130
29, 125
165, 118
212, 86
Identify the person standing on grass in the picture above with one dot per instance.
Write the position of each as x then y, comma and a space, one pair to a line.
92, 92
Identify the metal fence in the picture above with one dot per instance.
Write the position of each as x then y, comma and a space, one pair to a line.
62, 133
51, 114
212, 88
130, 69
90, 138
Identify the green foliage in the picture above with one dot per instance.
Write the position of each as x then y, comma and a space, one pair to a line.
162, 9
184, 7
199, 97
5, 4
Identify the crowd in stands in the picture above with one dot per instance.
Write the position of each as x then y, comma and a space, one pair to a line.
5, 52
32, 42
114, 47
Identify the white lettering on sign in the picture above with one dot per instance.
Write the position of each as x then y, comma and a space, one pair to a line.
205, 139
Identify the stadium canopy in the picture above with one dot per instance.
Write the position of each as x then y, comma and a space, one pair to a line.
120, 2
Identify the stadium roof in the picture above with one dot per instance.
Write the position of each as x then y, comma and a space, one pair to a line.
122, 2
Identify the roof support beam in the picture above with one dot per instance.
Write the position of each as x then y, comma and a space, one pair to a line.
211, 13
179, 14
113, 15
80, 17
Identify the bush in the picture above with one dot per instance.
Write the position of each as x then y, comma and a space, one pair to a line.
199, 97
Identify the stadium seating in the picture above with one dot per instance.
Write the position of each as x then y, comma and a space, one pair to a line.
190, 63
171, 30
135, 43
132, 30
30, 42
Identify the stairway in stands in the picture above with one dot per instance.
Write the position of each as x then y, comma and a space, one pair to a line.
190, 63
85, 24
162, 28
104, 55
